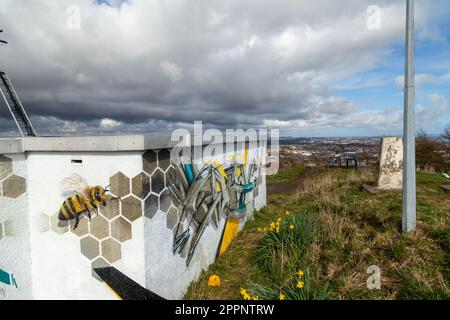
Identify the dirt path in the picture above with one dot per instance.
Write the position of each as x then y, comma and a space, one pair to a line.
294, 186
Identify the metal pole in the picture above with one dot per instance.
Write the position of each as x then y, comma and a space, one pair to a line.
409, 143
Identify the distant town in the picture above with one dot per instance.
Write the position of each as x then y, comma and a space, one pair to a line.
317, 151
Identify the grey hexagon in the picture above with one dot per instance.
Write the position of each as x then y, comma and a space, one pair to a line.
151, 206
5, 167
9, 228
98, 263
111, 250
164, 159
99, 227
112, 208
140, 185
165, 200
150, 161
158, 181
14, 186
90, 247
42, 222
120, 184
131, 208
58, 226
121, 229
82, 229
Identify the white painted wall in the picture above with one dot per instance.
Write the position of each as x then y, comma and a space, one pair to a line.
51, 266
15, 246
59, 270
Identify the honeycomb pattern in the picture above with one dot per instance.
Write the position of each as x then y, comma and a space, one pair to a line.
90, 247
141, 185
131, 208
158, 181
12, 185
164, 159
112, 210
120, 184
150, 159
121, 229
130, 198
111, 250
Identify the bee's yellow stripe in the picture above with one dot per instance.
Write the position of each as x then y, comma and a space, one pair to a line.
63, 210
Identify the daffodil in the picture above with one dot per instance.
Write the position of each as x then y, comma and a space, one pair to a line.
292, 227
245, 294
272, 225
287, 212
214, 281
300, 284
259, 229
281, 297
279, 220
300, 273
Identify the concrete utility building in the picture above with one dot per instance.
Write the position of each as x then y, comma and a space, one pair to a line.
43, 258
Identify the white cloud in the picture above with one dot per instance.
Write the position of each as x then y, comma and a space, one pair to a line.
109, 123
423, 79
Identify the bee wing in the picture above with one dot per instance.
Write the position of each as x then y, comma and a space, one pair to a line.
74, 183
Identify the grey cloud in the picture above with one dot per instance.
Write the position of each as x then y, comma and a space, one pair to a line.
159, 64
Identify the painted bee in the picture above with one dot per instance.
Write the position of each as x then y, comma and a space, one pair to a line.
84, 200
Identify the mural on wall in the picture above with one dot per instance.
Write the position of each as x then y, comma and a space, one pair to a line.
83, 200
189, 199
12, 186
8, 279
207, 195
127, 202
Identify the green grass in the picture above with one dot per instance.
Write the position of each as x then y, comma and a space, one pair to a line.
340, 230
286, 175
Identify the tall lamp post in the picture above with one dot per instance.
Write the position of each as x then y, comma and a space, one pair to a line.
409, 143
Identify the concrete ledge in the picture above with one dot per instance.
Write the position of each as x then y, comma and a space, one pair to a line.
94, 143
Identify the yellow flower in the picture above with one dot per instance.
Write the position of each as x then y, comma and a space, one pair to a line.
287, 212
259, 229
292, 227
281, 296
278, 230
300, 273
214, 281
265, 230
245, 294
300, 284
272, 225
279, 220
255, 298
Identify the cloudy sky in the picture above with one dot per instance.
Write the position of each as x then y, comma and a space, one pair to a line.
310, 68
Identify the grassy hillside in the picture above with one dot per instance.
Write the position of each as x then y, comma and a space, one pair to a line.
331, 233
